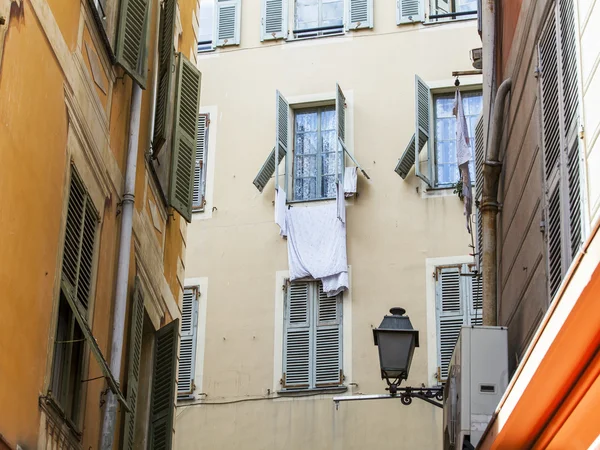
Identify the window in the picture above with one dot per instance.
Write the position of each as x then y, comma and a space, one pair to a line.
75, 294
560, 122
228, 22
207, 20
187, 348
318, 17
201, 160
445, 134
452, 9
315, 153
458, 303
312, 347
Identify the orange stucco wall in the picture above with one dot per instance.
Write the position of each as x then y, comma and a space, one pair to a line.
509, 16
33, 133
33, 179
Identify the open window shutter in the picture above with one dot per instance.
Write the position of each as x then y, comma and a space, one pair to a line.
131, 51
273, 24
408, 11
282, 114
163, 387
479, 239
80, 236
575, 210
187, 101
228, 22
200, 166
187, 347
328, 340
135, 353
297, 361
479, 158
340, 118
422, 102
360, 14
166, 64
450, 315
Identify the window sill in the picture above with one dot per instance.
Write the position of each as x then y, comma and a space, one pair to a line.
294, 38
444, 21
57, 415
311, 392
314, 200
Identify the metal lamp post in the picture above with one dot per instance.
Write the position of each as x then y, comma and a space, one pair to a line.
396, 340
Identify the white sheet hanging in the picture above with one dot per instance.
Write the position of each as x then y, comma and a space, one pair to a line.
340, 201
280, 208
350, 181
317, 246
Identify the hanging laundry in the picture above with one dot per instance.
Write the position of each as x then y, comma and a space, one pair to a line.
317, 246
340, 201
350, 180
280, 211
463, 156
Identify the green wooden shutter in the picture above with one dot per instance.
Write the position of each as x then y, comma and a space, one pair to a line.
200, 166
166, 65
131, 51
183, 158
575, 209
135, 352
408, 11
80, 237
328, 340
274, 23
422, 102
297, 342
340, 118
228, 21
163, 387
267, 170
407, 160
360, 14
479, 158
450, 313
187, 347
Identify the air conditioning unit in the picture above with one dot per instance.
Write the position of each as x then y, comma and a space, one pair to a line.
477, 378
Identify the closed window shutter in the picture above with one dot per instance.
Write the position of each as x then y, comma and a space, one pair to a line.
328, 340
449, 298
273, 24
131, 51
200, 166
185, 130
422, 102
408, 11
575, 210
228, 22
79, 246
187, 347
163, 387
135, 353
554, 238
360, 14
297, 345
282, 114
166, 64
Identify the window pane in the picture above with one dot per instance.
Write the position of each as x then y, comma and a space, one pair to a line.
328, 119
305, 189
306, 121
328, 138
306, 166
307, 14
332, 12
206, 20
466, 5
306, 143
328, 186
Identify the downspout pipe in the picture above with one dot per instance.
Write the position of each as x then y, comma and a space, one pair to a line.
489, 207
120, 307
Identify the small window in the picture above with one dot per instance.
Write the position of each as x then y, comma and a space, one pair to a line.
442, 10
312, 356
206, 28
445, 134
314, 153
318, 17
68, 363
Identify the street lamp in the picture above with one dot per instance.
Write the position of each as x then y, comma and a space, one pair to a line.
396, 339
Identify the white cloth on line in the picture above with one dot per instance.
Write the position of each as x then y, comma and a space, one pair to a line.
280, 208
340, 201
350, 181
317, 246
463, 157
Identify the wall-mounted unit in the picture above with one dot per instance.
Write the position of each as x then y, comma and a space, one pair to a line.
477, 378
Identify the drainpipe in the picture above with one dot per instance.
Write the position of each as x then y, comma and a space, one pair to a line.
116, 352
489, 207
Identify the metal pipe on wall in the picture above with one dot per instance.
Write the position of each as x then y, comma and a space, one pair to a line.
489, 208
